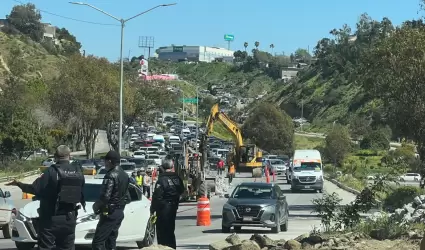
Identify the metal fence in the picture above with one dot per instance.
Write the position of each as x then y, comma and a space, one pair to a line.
23, 175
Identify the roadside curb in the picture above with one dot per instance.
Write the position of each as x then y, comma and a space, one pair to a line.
346, 188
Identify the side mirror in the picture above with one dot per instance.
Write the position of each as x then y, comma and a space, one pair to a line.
226, 196
282, 198
7, 194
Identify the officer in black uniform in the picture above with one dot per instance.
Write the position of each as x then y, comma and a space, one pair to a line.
110, 206
59, 189
165, 202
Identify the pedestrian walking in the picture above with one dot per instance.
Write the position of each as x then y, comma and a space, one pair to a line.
133, 178
59, 189
220, 167
110, 206
232, 171
165, 202
147, 181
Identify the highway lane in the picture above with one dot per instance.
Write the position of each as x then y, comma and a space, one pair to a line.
190, 236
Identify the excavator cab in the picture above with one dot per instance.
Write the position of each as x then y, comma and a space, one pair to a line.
250, 156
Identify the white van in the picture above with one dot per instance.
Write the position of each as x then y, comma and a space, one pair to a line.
306, 171
174, 138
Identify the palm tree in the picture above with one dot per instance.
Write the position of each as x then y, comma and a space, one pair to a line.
245, 44
257, 44
272, 47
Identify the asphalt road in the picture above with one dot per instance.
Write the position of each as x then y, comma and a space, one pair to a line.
190, 236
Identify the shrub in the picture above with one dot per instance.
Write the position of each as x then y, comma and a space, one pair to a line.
375, 140
382, 228
401, 196
366, 152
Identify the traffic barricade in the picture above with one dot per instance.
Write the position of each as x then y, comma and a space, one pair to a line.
89, 171
204, 212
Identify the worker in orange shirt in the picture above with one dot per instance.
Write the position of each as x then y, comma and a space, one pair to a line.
231, 172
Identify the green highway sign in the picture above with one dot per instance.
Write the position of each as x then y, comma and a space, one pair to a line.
189, 100
229, 38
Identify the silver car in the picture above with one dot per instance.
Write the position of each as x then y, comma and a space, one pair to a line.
255, 204
278, 165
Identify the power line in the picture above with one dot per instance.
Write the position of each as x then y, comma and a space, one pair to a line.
70, 18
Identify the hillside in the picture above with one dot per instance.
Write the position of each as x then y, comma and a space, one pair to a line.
332, 89
37, 59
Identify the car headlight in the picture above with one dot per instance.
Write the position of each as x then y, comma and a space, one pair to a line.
21, 217
87, 218
227, 206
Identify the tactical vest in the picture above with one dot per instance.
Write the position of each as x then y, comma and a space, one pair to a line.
70, 185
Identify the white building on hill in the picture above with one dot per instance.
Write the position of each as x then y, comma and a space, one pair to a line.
194, 53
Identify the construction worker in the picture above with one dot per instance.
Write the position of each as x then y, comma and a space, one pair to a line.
139, 179
232, 171
220, 167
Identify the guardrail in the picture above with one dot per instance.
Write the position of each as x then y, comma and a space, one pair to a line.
23, 175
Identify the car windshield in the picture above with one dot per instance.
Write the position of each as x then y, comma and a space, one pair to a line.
150, 162
252, 192
277, 162
102, 171
87, 162
308, 166
127, 167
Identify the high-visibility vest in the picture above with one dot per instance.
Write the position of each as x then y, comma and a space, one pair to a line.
139, 180
232, 169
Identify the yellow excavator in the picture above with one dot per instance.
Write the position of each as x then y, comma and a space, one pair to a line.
246, 157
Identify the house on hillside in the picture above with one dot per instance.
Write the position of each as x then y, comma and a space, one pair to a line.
3, 22
49, 31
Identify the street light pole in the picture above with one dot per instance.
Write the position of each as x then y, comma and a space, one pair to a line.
122, 22
197, 115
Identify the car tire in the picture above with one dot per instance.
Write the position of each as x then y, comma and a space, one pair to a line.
284, 227
7, 232
149, 237
225, 229
24, 245
237, 228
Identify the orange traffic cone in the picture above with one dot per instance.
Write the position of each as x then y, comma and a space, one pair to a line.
204, 212
267, 175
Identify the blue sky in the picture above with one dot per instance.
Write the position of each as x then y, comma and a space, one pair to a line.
287, 24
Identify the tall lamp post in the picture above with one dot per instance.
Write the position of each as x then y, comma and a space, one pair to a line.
122, 21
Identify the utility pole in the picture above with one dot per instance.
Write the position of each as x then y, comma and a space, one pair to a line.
197, 115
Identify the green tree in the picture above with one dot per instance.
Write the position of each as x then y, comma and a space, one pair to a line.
397, 79
205, 105
27, 19
270, 128
302, 55
245, 45
359, 126
376, 140
337, 145
257, 44
86, 92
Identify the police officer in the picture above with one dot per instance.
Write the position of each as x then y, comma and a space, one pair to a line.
110, 206
59, 189
165, 202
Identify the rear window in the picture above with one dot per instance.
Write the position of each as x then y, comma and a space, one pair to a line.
102, 171
127, 167
139, 153
153, 156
